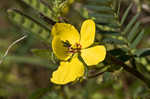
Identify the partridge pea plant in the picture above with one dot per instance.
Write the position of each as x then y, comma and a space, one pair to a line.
72, 54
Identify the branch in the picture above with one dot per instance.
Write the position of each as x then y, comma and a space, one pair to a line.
129, 69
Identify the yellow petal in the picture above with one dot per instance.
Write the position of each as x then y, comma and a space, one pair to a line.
59, 49
93, 55
87, 33
66, 32
68, 72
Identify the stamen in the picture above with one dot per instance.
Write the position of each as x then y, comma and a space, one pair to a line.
72, 49
66, 43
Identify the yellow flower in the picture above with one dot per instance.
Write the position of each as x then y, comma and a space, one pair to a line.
68, 42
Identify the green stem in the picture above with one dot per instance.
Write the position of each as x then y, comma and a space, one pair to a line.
95, 75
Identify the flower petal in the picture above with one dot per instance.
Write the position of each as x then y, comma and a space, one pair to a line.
66, 32
59, 49
93, 55
68, 72
87, 33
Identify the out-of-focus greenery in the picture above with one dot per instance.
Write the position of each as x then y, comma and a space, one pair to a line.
122, 25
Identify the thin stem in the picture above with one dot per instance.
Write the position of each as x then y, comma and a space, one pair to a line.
15, 42
63, 92
95, 75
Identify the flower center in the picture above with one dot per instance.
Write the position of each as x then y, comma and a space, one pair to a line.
72, 48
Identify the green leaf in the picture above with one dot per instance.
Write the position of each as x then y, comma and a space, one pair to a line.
143, 52
28, 23
126, 14
30, 60
113, 41
46, 54
120, 53
133, 32
102, 11
142, 60
42, 53
110, 25
100, 1
116, 52
99, 8
104, 20
109, 33
124, 58
39, 6
129, 26
137, 40
103, 16
105, 27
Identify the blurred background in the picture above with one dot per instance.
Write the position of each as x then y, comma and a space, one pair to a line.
25, 76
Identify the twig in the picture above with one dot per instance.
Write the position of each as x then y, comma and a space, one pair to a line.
15, 42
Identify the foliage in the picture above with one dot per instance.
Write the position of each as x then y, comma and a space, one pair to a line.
120, 32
